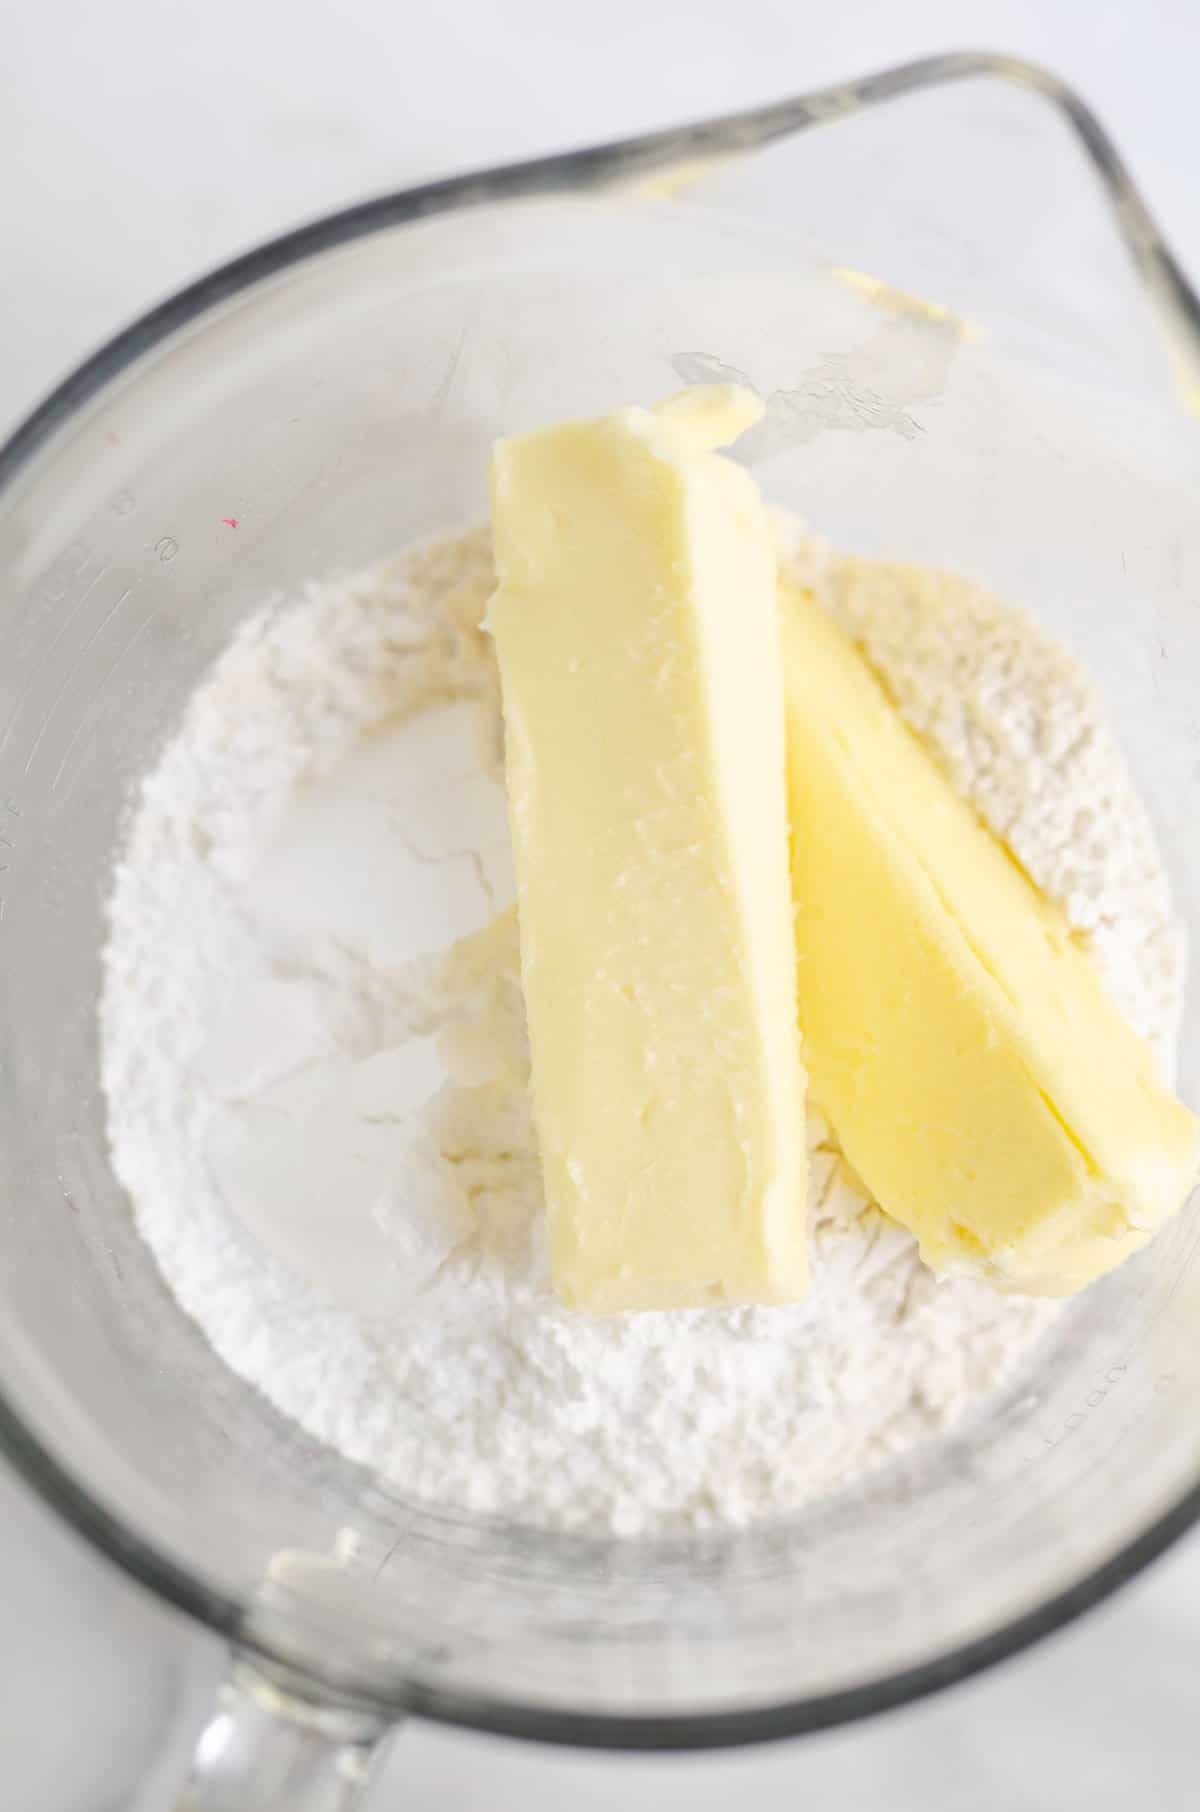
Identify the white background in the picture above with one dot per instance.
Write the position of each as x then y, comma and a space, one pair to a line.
142, 140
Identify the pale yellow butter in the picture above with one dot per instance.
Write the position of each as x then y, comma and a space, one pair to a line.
978, 1078
636, 627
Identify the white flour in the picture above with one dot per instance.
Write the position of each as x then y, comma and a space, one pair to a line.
314, 1059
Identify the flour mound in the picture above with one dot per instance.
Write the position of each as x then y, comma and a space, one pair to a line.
315, 1062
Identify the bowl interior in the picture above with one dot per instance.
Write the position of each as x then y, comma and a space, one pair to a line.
340, 409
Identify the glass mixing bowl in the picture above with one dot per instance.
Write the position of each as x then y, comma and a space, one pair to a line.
337, 393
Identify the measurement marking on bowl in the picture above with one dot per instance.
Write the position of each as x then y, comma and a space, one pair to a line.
83, 724
72, 670
63, 571
64, 626
1099, 1392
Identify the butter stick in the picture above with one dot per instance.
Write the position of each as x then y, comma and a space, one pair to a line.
636, 628
980, 1081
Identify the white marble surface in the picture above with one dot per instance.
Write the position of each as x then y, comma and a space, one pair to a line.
142, 141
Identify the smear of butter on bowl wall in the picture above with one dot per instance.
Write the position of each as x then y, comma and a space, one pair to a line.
636, 628
977, 1076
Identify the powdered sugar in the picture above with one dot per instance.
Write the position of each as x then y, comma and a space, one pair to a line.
314, 1057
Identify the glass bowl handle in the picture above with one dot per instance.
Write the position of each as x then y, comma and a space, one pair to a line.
268, 1747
